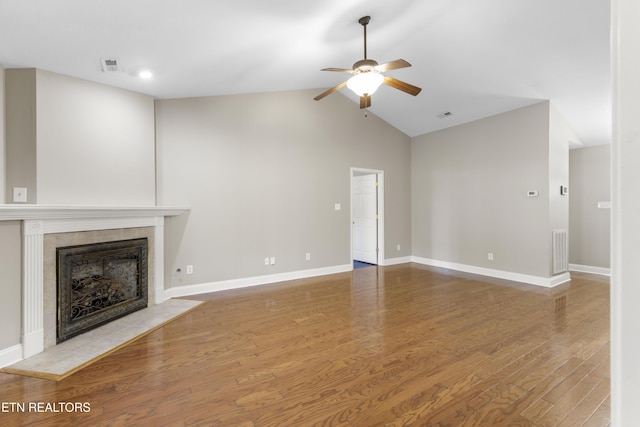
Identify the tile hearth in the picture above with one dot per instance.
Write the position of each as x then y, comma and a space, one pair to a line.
64, 359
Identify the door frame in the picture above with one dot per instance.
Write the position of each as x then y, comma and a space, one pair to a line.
354, 171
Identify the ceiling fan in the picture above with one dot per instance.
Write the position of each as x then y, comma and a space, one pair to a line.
367, 75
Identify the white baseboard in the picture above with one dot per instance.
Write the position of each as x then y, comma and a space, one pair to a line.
590, 269
396, 261
182, 291
10, 355
202, 288
547, 282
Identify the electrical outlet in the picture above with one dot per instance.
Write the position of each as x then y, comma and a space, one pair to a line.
490, 256
308, 256
266, 261
189, 269
398, 247
272, 261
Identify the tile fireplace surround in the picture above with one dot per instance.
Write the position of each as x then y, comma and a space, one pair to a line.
42, 224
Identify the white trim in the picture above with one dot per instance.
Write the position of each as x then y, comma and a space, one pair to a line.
33, 341
547, 282
32, 287
24, 212
203, 288
94, 224
396, 261
590, 269
380, 176
10, 355
158, 260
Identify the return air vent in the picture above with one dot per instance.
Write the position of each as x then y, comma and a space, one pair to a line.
109, 65
560, 262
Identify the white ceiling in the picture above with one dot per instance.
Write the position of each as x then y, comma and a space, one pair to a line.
473, 58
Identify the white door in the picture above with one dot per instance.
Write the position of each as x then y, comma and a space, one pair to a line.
365, 218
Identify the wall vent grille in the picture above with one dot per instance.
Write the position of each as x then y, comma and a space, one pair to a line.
560, 262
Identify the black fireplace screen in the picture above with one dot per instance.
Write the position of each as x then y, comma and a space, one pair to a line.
99, 282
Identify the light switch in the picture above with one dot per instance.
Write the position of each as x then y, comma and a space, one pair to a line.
337, 206
20, 194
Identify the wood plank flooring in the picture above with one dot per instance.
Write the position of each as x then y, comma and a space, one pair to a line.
393, 346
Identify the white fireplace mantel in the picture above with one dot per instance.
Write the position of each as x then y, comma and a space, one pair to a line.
39, 212
38, 220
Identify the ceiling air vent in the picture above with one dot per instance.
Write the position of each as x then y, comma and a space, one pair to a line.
109, 65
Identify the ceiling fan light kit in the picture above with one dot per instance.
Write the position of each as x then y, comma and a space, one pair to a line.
365, 83
367, 75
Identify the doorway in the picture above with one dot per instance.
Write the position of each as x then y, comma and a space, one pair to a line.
367, 217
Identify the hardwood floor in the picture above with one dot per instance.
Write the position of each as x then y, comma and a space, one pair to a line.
399, 345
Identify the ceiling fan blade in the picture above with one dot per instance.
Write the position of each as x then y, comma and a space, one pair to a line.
400, 85
365, 101
330, 91
340, 70
392, 65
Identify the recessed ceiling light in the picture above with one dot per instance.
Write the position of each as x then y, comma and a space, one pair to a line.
145, 74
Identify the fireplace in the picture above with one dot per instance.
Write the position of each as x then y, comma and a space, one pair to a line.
99, 282
45, 228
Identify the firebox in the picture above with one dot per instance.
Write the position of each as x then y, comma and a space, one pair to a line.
99, 282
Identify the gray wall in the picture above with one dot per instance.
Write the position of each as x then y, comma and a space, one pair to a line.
86, 144
21, 128
2, 136
10, 276
590, 183
469, 191
262, 174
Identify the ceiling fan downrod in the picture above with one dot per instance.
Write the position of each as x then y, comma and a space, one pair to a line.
364, 21
364, 65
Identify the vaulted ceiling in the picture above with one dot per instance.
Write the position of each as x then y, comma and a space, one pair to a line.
472, 58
